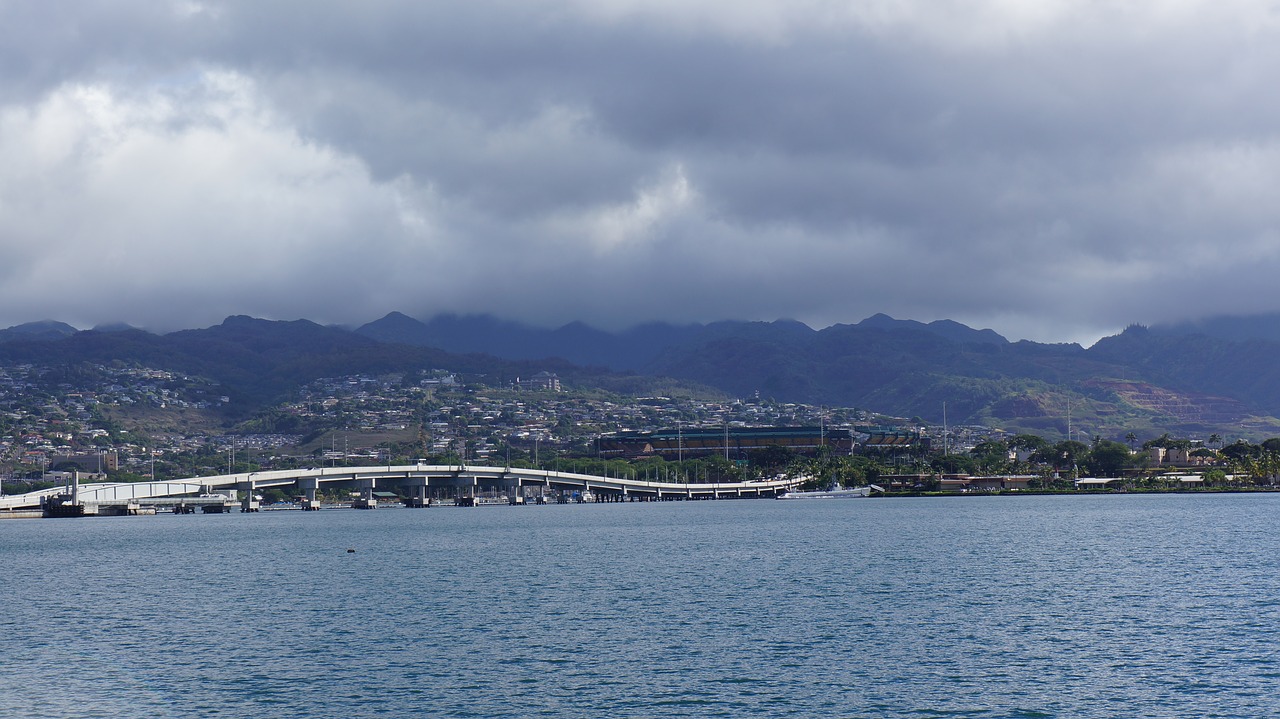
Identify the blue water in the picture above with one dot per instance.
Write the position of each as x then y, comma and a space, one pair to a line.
1103, 606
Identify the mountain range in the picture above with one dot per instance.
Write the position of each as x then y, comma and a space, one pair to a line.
1216, 376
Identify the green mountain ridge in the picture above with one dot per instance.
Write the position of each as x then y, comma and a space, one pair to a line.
1141, 381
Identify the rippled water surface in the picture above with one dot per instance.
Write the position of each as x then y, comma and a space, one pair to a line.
1104, 606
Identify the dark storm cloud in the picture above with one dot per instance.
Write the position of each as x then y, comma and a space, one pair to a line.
1051, 170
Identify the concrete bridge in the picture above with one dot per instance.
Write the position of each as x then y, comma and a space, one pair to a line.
420, 482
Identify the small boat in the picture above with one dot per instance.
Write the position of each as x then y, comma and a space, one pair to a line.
836, 492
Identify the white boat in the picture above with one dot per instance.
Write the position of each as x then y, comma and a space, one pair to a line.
836, 492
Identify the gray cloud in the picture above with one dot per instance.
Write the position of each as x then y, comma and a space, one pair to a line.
1053, 171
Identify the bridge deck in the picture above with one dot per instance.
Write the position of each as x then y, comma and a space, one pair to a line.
415, 475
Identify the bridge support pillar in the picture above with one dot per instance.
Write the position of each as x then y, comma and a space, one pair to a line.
418, 492
466, 494
366, 500
308, 486
250, 501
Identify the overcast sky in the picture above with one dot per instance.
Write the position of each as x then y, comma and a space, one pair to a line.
1053, 170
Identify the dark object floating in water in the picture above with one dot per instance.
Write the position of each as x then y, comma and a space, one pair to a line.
351, 551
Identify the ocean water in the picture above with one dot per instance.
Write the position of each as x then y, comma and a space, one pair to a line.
1062, 606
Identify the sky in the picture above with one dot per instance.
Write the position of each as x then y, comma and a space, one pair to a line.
1054, 170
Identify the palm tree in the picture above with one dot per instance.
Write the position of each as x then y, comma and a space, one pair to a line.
1215, 439
1131, 438
1270, 467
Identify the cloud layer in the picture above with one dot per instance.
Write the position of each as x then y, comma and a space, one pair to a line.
1053, 170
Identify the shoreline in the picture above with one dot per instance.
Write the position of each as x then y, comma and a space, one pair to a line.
1079, 492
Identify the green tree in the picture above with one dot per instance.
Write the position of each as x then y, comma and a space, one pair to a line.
1064, 456
1031, 442
991, 456
953, 464
771, 456
1215, 478
1108, 459
1241, 450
